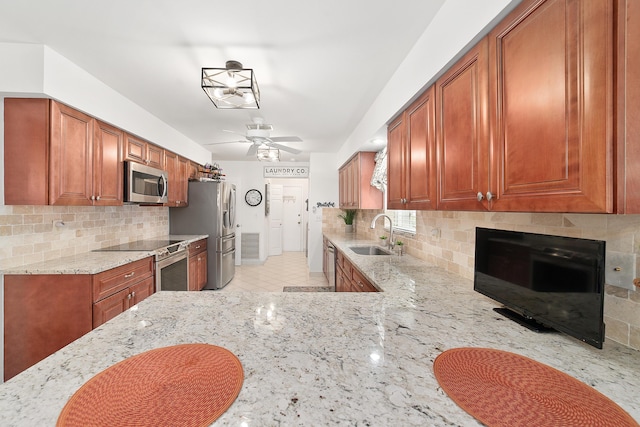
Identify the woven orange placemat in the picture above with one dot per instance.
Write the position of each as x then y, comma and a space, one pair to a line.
500, 388
183, 385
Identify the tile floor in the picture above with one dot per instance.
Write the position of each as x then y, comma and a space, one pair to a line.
288, 269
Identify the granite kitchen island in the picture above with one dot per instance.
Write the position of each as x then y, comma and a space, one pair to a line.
325, 358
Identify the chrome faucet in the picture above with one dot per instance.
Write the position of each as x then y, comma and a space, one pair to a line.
373, 225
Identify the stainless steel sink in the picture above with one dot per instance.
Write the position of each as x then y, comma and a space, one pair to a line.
370, 250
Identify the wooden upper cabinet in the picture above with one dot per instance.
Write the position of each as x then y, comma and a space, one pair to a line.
26, 151
628, 107
57, 155
462, 133
171, 166
177, 171
107, 170
396, 135
141, 151
551, 107
71, 161
411, 156
183, 180
355, 188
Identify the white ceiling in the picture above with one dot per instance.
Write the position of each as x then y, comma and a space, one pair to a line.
319, 64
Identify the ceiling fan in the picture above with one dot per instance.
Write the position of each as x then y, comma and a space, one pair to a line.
258, 134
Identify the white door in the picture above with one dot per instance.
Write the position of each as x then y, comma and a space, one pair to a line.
275, 219
292, 218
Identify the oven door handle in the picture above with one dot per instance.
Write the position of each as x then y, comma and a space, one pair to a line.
177, 256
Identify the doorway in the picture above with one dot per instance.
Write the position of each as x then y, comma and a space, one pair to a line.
288, 215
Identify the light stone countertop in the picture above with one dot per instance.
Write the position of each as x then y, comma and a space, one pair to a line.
325, 358
92, 262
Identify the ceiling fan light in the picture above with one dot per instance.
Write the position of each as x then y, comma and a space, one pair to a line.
268, 154
232, 87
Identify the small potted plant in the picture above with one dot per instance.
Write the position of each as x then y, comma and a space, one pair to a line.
400, 246
348, 216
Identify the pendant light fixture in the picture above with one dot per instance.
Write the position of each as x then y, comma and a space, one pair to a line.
232, 87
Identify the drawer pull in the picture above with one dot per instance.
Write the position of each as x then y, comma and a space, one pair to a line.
126, 276
198, 247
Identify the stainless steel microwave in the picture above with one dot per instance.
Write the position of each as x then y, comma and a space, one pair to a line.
144, 184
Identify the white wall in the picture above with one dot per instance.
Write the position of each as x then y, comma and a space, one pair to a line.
456, 27
323, 187
248, 175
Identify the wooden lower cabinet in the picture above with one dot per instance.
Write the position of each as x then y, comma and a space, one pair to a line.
120, 288
198, 265
359, 283
349, 278
42, 314
109, 307
45, 312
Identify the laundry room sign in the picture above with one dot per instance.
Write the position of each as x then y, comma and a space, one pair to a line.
286, 171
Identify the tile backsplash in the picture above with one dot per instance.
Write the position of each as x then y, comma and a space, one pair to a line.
447, 239
38, 233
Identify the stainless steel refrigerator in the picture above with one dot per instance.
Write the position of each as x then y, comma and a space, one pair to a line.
212, 211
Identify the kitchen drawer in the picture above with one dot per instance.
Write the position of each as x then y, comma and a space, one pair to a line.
197, 247
360, 284
111, 281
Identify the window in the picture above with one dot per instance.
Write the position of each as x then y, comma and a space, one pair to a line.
403, 220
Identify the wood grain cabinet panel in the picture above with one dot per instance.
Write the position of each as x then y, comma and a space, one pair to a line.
355, 190
177, 173
551, 77
462, 132
396, 164
349, 278
141, 151
26, 151
107, 165
42, 314
198, 265
183, 181
57, 155
115, 304
109, 307
110, 281
71, 161
628, 106
120, 288
411, 156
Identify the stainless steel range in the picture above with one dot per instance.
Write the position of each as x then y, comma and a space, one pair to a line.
171, 264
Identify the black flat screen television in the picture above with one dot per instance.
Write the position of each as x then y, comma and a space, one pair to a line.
544, 281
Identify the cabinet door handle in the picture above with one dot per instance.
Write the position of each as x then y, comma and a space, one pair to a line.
480, 196
129, 296
126, 276
93, 197
198, 247
133, 294
98, 198
489, 196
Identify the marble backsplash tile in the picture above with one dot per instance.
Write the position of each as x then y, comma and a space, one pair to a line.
30, 234
447, 239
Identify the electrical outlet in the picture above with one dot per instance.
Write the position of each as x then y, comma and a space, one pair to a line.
620, 269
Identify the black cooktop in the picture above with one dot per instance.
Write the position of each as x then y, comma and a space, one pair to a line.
141, 245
